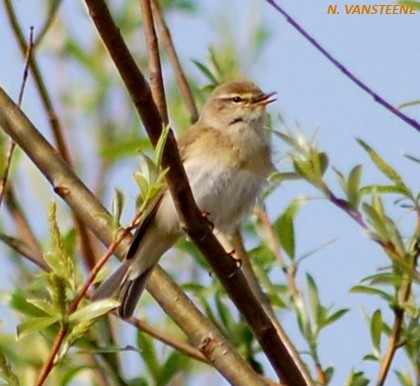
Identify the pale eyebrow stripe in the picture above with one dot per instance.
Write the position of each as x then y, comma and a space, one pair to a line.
231, 95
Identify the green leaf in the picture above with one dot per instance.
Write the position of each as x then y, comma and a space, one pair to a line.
376, 331
149, 169
142, 183
44, 306
58, 258
329, 372
353, 186
117, 208
278, 177
160, 146
335, 316
357, 379
372, 291
377, 220
384, 226
390, 278
314, 301
370, 357
312, 168
373, 189
32, 325
148, 353
20, 303
79, 331
6, 372
404, 379
385, 168
206, 72
94, 310
304, 323
284, 228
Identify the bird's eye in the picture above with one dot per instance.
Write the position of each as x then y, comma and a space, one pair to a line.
237, 99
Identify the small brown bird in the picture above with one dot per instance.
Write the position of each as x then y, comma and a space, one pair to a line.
227, 158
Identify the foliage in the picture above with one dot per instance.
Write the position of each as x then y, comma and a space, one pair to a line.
46, 304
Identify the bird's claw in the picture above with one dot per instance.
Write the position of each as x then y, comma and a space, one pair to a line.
206, 215
238, 263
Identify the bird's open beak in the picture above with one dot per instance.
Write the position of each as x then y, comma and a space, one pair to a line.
264, 99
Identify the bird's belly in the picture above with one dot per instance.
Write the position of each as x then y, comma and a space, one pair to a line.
226, 194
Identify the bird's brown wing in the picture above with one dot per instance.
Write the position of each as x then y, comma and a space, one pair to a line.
184, 143
145, 220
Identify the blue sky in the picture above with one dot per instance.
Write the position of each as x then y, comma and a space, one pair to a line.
381, 50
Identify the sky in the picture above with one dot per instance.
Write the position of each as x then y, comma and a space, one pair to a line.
381, 50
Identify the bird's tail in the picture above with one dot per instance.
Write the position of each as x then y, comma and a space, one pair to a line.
113, 284
131, 292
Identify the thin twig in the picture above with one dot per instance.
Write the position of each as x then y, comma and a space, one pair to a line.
291, 280
182, 347
236, 245
405, 293
180, 77
23, 249
21, 222
376, 97
94, 272
11, 146
275, 248
87, 247
40, 84
156, 80
49, 363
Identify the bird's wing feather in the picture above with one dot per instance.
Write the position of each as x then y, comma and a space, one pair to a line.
184, 143
145, 220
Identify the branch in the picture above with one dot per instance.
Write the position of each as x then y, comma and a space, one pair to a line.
405, 292
184, 348
180, 77
68, 186
11, 147
275, 248
87, 248
156, 81
376, 97
196, 226
33, 255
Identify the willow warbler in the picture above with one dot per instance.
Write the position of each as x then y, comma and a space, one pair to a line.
227, 158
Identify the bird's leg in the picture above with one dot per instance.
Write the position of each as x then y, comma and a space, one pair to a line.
238, 262
206, 215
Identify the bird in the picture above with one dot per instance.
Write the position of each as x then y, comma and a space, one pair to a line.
227, 158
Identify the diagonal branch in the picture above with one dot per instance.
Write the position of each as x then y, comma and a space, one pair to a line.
196, 226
